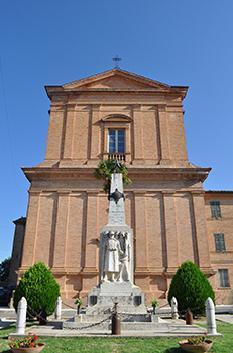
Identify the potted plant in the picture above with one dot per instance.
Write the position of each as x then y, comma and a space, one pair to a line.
154, 303
79, 303
28, 344
199, 344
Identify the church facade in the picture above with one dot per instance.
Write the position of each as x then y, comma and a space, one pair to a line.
140, 122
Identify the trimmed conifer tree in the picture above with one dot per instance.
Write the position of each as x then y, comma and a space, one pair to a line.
191, 288
40, 289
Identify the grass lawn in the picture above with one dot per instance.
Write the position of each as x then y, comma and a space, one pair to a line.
123, 345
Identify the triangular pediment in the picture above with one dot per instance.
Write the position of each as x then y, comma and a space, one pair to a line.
116, 79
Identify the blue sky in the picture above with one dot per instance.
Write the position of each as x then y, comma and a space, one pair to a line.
178, 42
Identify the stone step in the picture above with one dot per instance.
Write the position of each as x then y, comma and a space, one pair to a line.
85, 326
144, 326
86, 318
125, 326
137, 327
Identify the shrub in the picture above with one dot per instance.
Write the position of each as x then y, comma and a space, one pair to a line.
5, 269
154, 302
40, 289
191, 288
78, 302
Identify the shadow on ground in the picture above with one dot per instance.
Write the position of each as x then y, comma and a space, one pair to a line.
174, 350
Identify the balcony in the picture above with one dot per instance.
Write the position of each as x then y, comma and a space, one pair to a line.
117, 156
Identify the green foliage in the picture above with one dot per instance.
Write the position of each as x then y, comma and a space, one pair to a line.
196, 340
5, 269
191, 288
222, 344
39, 288
78, 302
154, 303
25, 342
106, 168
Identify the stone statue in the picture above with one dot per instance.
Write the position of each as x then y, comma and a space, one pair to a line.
124, 274
112, 252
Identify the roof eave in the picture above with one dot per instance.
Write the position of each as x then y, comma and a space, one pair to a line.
44, 172
50, 90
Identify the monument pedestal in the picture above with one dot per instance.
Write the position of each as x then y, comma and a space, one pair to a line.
130, 298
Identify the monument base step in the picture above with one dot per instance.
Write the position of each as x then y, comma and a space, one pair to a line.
128, 322
129, 317
125, 326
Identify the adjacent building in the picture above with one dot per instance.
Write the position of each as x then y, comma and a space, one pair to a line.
139, 121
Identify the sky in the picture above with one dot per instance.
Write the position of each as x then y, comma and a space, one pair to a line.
52, 42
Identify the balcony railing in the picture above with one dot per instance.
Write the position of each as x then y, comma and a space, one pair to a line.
118, 156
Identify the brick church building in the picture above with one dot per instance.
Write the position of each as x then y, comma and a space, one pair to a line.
120, 115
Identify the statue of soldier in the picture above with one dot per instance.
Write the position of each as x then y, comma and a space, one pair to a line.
112, 253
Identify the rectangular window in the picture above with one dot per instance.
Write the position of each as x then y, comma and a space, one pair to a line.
116, 141
219, 242
223, 278
215, 209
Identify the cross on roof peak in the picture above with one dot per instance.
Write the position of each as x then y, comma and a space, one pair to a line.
116, 61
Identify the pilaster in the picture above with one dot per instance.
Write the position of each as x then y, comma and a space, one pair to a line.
31, 230
56, 133
138, 135
95, 134
141, 258
164, 136
170, 228
61, 231
92, 229
69, 133
201, 230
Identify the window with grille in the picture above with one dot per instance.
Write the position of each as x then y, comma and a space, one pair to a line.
116, 141
215, 209
223, 278
219, 242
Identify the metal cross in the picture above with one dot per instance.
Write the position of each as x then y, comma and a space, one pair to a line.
116, 60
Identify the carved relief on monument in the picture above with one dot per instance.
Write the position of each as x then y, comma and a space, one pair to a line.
116, 257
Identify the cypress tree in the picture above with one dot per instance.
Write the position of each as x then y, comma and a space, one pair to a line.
40, 289
191, 288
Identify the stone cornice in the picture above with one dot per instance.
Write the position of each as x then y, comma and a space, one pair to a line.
171, 271
58, 91
144, 173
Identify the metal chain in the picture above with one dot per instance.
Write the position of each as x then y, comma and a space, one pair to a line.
35, 314
96, 323
91, 325
68, 306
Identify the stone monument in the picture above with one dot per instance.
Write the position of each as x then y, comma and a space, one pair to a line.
116, 260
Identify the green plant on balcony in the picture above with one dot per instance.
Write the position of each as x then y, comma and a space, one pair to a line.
105, 170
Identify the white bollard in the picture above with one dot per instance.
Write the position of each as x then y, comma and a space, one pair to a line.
174, 308
21, 316
58, 309
210, 316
